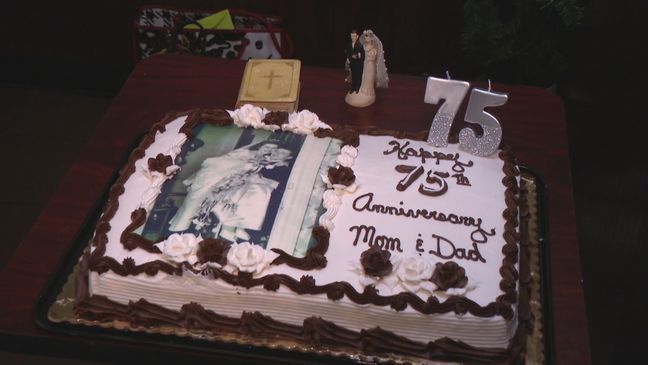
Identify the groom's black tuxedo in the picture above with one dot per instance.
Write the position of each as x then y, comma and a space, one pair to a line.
355, 55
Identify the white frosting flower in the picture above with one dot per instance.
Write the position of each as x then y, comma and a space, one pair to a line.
251, 116
180, 247
349, 150
414, 273
345, 160
304, 122
348, 155
248, 257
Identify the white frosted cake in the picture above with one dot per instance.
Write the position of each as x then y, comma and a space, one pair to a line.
278, 226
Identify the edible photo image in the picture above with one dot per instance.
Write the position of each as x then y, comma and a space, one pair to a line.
230, 185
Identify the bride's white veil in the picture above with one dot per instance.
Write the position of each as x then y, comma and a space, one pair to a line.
382, 78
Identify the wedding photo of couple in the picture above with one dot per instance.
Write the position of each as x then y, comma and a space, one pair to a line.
233, 194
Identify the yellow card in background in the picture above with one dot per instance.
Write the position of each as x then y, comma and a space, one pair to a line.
220, 20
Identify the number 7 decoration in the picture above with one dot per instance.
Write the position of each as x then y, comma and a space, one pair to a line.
433, 178
454, 91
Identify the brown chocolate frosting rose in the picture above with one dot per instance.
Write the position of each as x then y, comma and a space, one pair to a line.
375, 261
213, 250
160, 163
449, 275
276, 118
341, 175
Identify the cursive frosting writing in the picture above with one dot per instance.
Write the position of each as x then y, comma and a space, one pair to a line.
446, 249
404, 152
365, 203
441, 247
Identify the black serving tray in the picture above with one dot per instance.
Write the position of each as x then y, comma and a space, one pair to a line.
183, 349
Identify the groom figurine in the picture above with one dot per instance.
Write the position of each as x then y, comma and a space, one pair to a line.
355, 58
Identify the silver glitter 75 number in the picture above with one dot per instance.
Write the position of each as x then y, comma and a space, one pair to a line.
454, 91
488, 143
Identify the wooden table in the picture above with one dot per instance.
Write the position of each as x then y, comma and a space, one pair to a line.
533, 123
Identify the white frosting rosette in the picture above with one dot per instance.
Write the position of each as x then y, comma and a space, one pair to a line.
248, 257
304, 122
414, 274
347, 157
180, 247
251, 116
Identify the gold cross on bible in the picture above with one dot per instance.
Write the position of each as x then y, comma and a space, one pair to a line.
272, 84
271, 77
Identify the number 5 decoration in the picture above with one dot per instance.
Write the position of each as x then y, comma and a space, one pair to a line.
454, 91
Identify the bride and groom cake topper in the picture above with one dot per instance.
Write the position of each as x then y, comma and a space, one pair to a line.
365, 61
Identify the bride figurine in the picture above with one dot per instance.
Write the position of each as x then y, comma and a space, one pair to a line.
374, 73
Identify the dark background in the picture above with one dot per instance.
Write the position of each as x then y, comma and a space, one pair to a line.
61, 63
